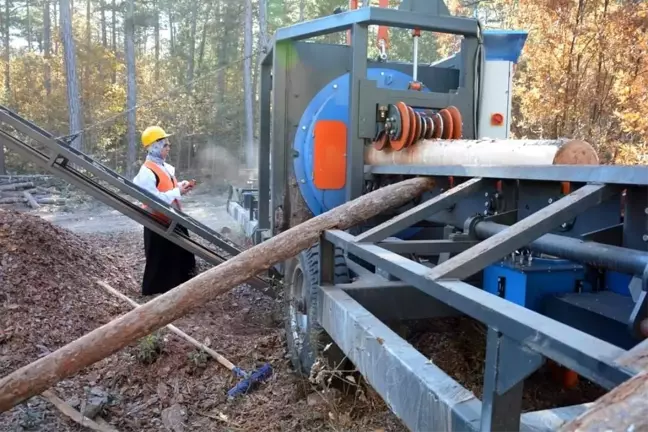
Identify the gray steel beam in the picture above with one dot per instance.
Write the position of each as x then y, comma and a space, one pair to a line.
378, 16
609, 174
523, 232
264, 148
355, 144
441, 24
279, 141
405, 301
426, 247
421, 211
422, 395
585, 354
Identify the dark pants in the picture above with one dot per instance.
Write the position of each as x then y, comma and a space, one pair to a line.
167, 264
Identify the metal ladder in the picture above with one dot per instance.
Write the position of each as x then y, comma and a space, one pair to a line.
96, 179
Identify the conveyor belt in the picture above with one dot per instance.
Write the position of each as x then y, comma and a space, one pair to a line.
95, 178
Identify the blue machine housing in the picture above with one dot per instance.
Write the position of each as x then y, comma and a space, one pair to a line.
529, 284
332, 103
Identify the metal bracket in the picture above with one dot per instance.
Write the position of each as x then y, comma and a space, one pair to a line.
508, 364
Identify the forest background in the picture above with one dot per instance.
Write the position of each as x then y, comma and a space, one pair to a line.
192, 67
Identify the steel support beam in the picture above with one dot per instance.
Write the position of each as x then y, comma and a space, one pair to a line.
518, 235
422, 395
421, 211
427, 247
609, 174
264, 147
585, 354
378, 16
355, 144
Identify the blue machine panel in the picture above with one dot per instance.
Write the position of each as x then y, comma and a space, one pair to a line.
529, 284
332, 103
618, 282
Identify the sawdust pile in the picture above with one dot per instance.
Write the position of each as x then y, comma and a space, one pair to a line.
47, 298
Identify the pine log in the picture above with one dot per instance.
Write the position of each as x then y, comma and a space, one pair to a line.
30, 200
623, 408
51, 201
32, 191
16, 186
486, 152
34, 378
12, 200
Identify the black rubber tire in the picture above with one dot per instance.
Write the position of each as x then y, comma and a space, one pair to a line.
308, 345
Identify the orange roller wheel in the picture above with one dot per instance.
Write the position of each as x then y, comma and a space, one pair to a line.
400, 142
424, 125
447, 124
438, 126
381, 142
430, 128
413, 127
457, 122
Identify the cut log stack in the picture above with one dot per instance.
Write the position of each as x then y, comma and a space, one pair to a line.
24, 190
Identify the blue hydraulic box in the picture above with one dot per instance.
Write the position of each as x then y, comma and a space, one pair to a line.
618, 282
527, 283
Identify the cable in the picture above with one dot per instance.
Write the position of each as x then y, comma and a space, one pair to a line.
74, 135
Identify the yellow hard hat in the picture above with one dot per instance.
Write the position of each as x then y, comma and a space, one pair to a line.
152, 134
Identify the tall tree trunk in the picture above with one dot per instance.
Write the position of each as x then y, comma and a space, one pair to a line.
157, 41
73, 99
302, 6
55, 20
192, 46
203, 38
113, 36
171, 33
131, 89
247, 86
7, 49
29, 26
104, 36
47, 45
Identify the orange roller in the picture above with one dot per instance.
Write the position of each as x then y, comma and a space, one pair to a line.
447, 124
401, 141
430, 128
381, 142
457, 122
438, 126
413, 127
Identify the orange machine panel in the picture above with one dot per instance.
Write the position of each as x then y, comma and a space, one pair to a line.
329, 154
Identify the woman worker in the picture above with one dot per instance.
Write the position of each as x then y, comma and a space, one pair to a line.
167, 264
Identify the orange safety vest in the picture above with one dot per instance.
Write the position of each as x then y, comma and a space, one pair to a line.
165, 182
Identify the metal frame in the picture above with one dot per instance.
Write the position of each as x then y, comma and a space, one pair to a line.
91, 176
518, 339
484, 213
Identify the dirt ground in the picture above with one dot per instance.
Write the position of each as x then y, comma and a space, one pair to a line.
49, 261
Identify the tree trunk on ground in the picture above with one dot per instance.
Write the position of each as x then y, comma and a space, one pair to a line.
73, 98
247, 86
131, 89
37, 377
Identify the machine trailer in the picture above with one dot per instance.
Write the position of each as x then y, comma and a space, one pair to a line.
533, 238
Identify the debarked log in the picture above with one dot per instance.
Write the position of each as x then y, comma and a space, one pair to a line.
486, 152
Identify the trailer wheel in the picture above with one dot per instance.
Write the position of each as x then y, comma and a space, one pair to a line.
306, 339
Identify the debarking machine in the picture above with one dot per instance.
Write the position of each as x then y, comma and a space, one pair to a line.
536, 240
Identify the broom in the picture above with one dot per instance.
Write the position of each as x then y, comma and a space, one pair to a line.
249, 380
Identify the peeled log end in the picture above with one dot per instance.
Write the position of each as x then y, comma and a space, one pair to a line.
576, 152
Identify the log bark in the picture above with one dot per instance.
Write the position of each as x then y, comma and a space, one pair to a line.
38, 376
51, 201
16, 186
30, 200
487, 152
624, 407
